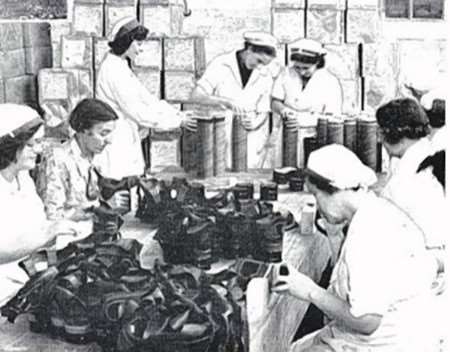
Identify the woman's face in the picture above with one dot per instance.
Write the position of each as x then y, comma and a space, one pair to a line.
26, 157
254, 60
304, 70
98, 137
134, 50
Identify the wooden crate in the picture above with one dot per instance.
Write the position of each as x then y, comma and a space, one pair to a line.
21, 89
151, 55
151, 79
363, 25
325, 25
288, 4
343, 60
12, 63
36, 34
87, 17
178, 85
185, 54
76, 51
116, 10
11, 36
288, 24
36, 58
162, 19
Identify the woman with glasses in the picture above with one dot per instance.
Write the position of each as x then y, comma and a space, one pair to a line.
306, 86
137, 109
25, 227
67, 179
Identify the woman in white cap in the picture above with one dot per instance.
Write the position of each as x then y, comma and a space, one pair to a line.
25, 227
137, 109
306, 86
379, 293
241, 80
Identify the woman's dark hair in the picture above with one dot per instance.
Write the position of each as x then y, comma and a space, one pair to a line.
260, 49
10, 146
123, 39
402, 118
437, 163
90, 112
319, 60
436, 114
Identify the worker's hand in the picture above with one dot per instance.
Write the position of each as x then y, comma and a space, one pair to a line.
290, 118
143, 132
252, 120
189, 122
285, 278
120, 202
416, 93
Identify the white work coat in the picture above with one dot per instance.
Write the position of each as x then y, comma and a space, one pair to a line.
322, 93
118, 86
416, 193
222, 78
383, 269
23, 217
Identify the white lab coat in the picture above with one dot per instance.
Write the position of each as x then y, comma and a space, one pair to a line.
118, 86
222, 79
322, 93
383, 269
23, 217
416, 193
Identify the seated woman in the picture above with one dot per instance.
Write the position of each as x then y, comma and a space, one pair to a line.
405, 129
379, 294
25, 227
67, 180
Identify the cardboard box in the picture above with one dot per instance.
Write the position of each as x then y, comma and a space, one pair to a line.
380, 59
352, 95
178, 85
343, 60
11, 36
114, 11
325, 25
326, 4
76, 51
58, 29
288, 25
21, 89
12, 63
151, 79
162, 19
363, 26
151, 55
378, 90
55, 84
101, 48
36, 34
185, 54
36, 58
364, 4
165, 149
288, 4
88, 18
84, 82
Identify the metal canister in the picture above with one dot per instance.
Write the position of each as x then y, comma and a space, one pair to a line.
290, 138
239, 145
322, 130
219, 144
367, 140
350, 133
243, 190
205, 155
268, 191
335, 131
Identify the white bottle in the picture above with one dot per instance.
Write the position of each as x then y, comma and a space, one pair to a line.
307, 219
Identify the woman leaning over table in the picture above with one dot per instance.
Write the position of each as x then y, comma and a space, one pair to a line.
379, 295
25, 227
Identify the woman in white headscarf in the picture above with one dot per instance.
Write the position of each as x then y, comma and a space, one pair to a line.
25, 227
379, 295
137, 109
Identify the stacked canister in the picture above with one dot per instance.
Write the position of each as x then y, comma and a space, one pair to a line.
203, 151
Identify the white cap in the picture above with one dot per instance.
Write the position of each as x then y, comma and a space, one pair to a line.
261, 39
307, 47
14, 116
125, 21
341, 167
